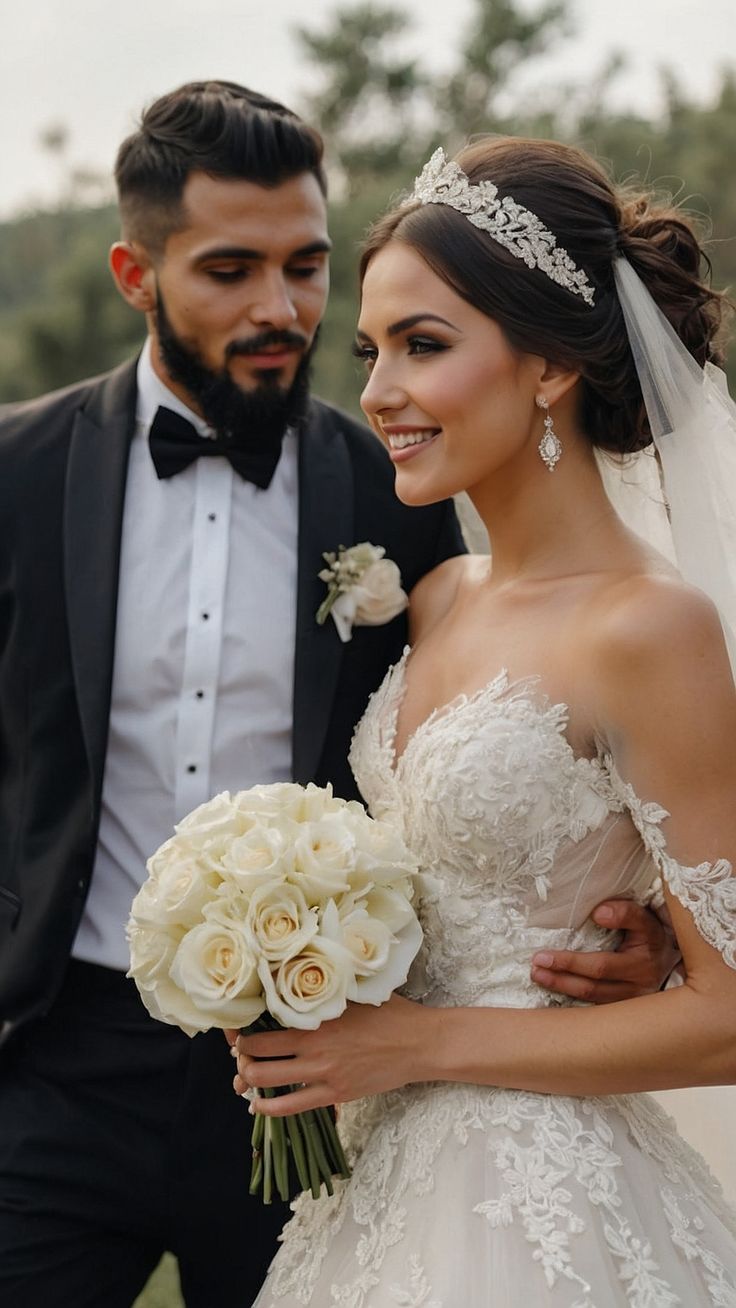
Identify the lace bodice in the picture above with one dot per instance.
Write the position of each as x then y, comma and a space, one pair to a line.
518, 839
472, 1194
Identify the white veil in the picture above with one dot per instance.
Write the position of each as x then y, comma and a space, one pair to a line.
689, 511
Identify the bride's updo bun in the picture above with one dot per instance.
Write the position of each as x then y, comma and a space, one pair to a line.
595, 221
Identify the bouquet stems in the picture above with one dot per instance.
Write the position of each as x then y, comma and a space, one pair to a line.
294, 1153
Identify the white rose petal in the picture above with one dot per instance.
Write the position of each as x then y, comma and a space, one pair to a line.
367, 940
309, 988
216, 969
151, 952
263, 854
384, 957
166, 1002
385, 903
280, 799
216, 818
178, 889
324, 853
317, 802
229, 906
379, 594
279, 922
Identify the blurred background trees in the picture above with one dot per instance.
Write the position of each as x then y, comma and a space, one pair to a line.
382, 113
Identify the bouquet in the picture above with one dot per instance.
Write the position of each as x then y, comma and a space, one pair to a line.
269, 908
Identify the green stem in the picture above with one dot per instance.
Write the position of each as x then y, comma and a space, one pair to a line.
293, 1126
315, 1138
280, 1158
331, 1137
267, 1164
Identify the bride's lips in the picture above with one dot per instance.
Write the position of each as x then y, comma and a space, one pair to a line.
405, 442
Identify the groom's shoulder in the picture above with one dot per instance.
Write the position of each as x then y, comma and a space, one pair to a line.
53, 410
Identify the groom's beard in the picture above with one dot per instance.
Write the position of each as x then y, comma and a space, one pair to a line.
264, 412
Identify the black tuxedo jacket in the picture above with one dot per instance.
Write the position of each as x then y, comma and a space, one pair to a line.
63, 462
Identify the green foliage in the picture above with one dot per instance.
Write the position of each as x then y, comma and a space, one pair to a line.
382, 113
61, 317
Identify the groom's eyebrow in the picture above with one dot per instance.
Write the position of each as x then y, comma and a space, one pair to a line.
244, 252
405, 323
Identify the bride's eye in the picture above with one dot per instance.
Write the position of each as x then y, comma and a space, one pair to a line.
424, 345
366, 353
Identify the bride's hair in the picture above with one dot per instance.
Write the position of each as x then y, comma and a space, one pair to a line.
594, 220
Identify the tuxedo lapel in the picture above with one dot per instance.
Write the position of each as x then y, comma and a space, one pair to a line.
325, 522
93, 509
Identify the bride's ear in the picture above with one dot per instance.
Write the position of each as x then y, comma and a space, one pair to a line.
556, 381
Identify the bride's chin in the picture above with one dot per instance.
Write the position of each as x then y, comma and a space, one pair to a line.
417, 497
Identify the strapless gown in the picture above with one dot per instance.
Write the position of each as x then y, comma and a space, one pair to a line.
467, 1196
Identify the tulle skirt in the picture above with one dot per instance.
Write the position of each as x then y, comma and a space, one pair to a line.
473, 1197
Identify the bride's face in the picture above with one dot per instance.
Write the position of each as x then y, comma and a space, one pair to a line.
450, 399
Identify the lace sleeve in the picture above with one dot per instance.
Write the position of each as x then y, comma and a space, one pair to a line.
708, 891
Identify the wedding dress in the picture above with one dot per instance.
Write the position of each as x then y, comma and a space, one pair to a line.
467, 1196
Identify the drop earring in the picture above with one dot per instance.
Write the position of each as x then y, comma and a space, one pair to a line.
550, 446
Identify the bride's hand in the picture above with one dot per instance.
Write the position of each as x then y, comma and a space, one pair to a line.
364, 1052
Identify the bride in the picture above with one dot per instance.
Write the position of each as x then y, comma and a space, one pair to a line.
561, 730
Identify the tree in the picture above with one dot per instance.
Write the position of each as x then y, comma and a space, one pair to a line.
363, 84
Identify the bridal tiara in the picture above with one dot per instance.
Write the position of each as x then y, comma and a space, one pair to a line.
518, 230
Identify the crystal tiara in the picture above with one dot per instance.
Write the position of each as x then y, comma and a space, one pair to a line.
519, 231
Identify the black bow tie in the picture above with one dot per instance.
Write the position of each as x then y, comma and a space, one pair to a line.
175, 443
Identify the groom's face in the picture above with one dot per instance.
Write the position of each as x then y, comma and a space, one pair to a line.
244, 284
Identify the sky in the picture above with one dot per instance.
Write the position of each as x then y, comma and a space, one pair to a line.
91, 65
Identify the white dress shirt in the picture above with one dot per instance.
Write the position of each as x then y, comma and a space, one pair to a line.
204, 656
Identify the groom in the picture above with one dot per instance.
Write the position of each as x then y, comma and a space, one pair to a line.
161, 534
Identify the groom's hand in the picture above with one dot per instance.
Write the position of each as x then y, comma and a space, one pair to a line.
647, 955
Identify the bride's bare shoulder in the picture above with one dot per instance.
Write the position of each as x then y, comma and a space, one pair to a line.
655, 630
434, 595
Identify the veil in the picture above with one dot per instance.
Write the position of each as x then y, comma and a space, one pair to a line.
680, 496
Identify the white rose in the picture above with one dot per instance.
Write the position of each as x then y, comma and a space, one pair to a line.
380, 595
324, 854
317, 802
280, 923
178, 887
151, 952
218, 817
381, 855
280, 799
229, 906
166, 1002
386, 903
309, 988
216, 969
380, 958
263, 854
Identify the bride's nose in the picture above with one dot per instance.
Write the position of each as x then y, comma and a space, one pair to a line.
382, 393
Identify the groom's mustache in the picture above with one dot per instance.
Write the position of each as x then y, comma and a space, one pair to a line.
254, 344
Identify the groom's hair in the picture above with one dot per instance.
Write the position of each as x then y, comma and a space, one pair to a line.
218, 128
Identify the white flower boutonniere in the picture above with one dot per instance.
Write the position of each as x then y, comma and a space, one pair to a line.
363, 588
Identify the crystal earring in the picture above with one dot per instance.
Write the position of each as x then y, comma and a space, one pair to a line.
550, 446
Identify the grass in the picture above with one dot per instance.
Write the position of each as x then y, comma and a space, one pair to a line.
162, 1290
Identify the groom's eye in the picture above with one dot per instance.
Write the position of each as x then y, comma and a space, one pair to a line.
227, 274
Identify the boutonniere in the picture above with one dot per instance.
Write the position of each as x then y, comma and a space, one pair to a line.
363, 588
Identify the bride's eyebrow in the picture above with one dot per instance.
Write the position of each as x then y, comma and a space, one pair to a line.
404, 324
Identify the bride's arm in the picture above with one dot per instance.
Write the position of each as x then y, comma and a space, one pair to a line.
667, 706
